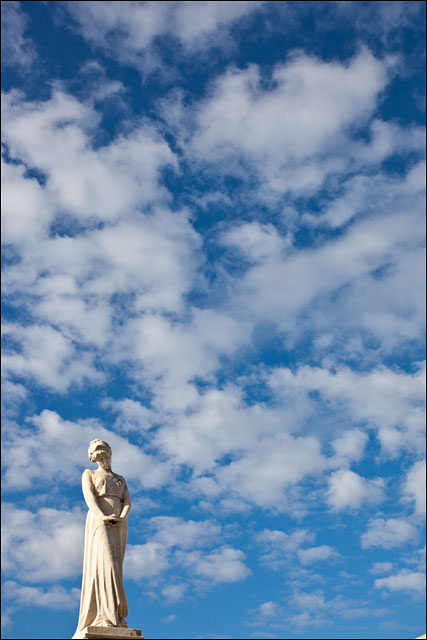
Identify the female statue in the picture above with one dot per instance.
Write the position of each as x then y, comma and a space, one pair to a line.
103, 600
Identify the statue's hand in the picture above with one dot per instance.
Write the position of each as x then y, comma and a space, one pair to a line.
111, 519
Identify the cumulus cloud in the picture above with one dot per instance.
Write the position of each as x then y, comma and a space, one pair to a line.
381, 567
185, 544
316, 554
175, 353
118, 289
186, 534
43, 546
25, 204
311, 601
404, 580
47, 355
350, 445
414, 488
55, 136
390, 401
223, 565
174, 592
263, 474
348, 489
55, 597
393, 532
18, 50
33, 454
314, 608
256, 242
269, 609
86, 255
279, 548
320, 99
110, 276
129, 32
146, 560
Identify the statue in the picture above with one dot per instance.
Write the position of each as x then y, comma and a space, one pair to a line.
103, 600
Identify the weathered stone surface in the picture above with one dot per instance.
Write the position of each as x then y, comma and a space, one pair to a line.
114, 633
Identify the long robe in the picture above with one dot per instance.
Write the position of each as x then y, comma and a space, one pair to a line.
103, 600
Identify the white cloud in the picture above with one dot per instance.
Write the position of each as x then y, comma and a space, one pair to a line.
314, 608
223, 565
46, 545
170, 618
148, 260
18, 50
414, 488
133, 416
242, 119
274, 463
310, 601
6, 619
69, 280
186, 534
390, 401
25, 205
219, 423
174, 592
349, 489
404, 580
280, 541
316, 554
379, 19
54, 136
256, 242
48, 356
393, 532
269, 609
362, 284
128, 32
350, 445
33, 454
358, 197
381, 567
106, 260
13, 395
55, 597
146, 560
417, 558
280, 289
184, 544
280, 548
174, 353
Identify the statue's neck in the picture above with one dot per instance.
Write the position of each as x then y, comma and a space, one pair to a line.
104, 469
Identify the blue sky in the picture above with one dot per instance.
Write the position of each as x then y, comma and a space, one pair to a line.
213, 258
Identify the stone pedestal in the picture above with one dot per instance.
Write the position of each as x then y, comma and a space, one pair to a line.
112, 633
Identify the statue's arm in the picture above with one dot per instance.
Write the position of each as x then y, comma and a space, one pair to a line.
126, 504
89, 495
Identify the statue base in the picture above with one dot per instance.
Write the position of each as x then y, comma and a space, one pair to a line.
113, 633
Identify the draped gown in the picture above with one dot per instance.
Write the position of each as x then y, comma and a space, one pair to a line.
103, 600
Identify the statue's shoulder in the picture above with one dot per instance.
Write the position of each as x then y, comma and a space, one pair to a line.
87, 474
118, 476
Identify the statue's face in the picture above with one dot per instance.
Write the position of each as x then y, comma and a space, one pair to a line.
103, 454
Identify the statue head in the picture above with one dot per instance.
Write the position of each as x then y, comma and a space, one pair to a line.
97, 446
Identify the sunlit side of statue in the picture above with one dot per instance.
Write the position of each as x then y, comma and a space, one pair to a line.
103, 600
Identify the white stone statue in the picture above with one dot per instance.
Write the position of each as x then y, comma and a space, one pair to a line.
103, 600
